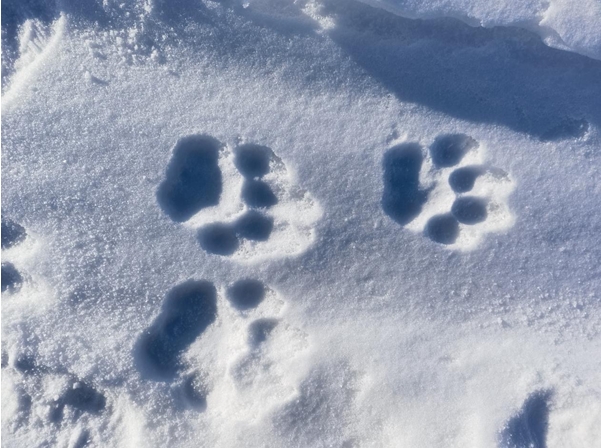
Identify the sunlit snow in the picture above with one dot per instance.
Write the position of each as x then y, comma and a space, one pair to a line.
310, 223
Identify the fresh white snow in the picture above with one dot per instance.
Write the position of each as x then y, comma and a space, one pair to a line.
301, 224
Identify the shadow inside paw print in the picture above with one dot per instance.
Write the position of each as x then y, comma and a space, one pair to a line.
12, 233
188, 310
463, 179
193, 179
257, 193
443, 229
81, 397
469, 210
219, 239
11, 279
253, 160
224, 239
403, 197
246, 294
254, 226
529, 427
259, 330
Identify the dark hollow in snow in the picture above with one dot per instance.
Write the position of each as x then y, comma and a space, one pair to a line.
252, 160
463, 179
245, 294
219, 239
187, 311
469, 210
11, 279
259, 330
443, 229
85, 398
26, 364
193, 178
528, 428
12, 233
257, 193
82, 398
254, 226
448, 150
403, 198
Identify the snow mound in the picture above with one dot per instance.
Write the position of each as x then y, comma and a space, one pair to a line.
565, 24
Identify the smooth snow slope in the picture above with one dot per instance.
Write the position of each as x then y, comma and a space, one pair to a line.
296, 225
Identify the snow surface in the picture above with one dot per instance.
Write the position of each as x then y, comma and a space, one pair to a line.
300, 224
562, 24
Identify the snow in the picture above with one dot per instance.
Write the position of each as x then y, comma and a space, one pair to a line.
560, 23
301, 224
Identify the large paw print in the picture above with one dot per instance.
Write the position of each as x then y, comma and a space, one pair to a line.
450, 195
237, 349
242, 202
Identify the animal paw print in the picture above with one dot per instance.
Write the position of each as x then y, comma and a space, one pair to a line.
243, 336
13, 234
55, 403
243, 203
450, 195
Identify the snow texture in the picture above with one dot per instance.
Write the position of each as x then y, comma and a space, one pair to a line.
564, 24
301, 223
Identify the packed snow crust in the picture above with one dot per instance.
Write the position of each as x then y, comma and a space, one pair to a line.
565, 24
300, 224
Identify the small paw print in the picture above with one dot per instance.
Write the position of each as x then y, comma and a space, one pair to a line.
13, 234
450, 195
243, 203
58, 404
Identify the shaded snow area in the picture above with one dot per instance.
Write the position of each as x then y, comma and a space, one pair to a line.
311, 223
567, 24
